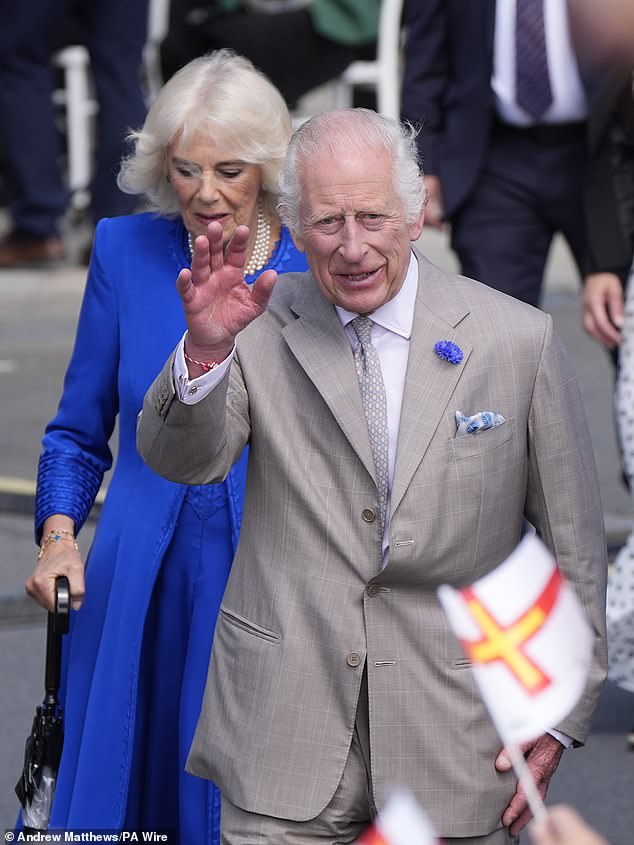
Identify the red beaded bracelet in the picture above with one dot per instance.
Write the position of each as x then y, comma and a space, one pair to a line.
207, 366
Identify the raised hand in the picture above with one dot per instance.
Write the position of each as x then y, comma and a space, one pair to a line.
216, 300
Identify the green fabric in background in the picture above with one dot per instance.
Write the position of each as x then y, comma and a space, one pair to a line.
228, 5
351, 22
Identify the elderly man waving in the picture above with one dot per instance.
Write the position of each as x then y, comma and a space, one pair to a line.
334, 675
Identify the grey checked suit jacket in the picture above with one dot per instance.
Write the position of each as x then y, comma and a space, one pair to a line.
307, 604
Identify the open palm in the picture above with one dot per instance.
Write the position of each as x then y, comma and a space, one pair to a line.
216, 300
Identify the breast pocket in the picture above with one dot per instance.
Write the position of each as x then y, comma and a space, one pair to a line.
478, 444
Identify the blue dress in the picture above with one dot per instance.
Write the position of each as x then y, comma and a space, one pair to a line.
135, 660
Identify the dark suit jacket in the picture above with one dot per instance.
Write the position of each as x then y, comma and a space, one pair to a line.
609, 195
447, 86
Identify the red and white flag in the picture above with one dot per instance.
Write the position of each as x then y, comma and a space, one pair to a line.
400, 822
524, 629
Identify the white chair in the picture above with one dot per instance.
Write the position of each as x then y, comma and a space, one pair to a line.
158, 24
76, 99
383, 74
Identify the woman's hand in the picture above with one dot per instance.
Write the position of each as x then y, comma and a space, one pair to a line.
217, 301
59, 558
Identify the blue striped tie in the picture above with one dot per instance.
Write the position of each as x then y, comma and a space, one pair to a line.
532, 92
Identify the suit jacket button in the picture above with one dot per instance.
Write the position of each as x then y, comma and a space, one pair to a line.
373, 590
353, 659
368, 515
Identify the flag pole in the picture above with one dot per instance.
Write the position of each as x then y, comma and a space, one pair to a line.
526, 781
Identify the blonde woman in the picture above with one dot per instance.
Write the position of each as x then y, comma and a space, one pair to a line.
136, 659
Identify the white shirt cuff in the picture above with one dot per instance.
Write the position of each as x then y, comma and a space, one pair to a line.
191, 391
565, 740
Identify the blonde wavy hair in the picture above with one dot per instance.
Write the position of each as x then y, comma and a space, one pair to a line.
221, 94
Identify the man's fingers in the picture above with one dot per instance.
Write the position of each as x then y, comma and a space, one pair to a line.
517, 806
503, 761
184, 282
200, 259
616, 309
263, 288
518, 813
521, 821
598, 325
235, 254
603, 308
542, 756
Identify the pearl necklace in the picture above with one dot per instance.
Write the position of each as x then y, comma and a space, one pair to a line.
261, 247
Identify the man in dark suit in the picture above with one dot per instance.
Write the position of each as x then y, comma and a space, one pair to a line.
609, 206
502, 93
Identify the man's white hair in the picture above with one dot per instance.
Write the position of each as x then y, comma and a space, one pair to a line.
358, 128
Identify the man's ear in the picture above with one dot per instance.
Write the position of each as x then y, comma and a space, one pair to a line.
416, 227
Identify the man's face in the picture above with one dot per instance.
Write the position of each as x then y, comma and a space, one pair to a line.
353, 227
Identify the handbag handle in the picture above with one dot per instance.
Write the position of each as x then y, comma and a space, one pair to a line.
57, 625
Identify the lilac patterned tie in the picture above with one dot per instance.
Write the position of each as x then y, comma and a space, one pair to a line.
370, 378
532, 92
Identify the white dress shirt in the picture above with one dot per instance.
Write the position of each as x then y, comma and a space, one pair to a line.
569, 100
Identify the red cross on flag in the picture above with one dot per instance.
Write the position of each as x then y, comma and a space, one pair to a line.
524, 630
400, 822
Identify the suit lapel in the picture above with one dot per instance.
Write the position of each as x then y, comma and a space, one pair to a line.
430, 381
319, 343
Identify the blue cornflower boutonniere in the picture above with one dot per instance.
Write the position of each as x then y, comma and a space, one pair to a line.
448, 351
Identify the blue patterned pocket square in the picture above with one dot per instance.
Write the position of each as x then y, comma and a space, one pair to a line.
477, 422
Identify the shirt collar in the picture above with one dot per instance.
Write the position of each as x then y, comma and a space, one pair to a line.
396, 315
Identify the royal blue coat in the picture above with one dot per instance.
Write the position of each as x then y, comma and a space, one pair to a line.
131, 319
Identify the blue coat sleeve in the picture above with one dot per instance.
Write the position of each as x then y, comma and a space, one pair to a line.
75, 452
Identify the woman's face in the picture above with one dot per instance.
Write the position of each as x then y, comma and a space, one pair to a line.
209, 185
